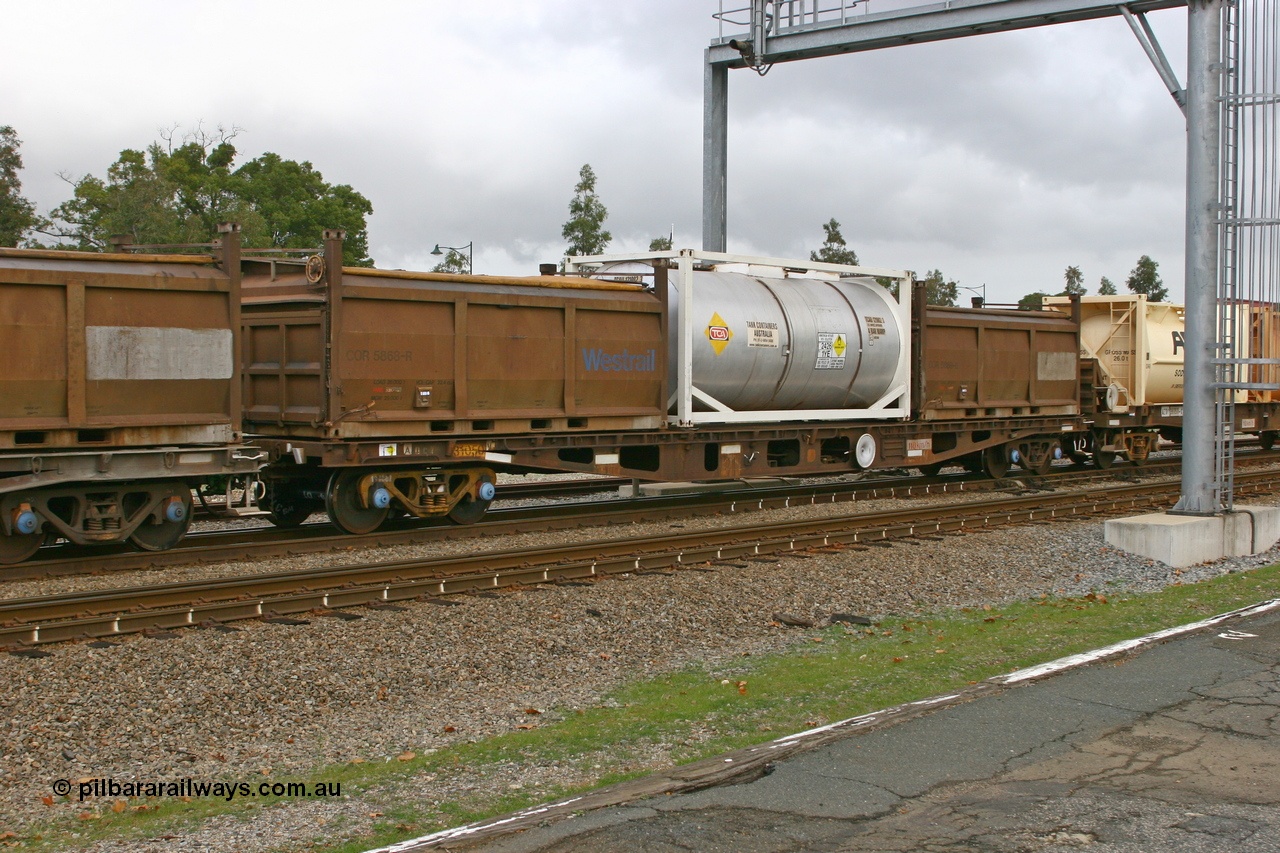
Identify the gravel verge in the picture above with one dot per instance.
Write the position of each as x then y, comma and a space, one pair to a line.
271, 700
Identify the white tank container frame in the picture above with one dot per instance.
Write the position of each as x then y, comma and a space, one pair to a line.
893, 404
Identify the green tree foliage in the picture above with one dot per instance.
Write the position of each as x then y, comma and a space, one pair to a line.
585, 228
1075, 282
939, 291
834, 249
454, 262
17, 215
1106, 287
179, 193
1033, 301
660, 244
1145, 279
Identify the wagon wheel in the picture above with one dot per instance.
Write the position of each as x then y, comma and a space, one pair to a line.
163, 535
933, 469
287, 508
995, 462
469, 510
16, 547
1101, 457
342, 501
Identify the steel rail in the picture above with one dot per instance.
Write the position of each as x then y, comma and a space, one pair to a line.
45, 619
322, 537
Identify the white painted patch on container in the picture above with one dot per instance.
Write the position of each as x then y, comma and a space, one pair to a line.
1056, 366
157, 352
497, 457
607, 459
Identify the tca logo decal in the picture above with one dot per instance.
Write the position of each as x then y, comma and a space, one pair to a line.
718, 333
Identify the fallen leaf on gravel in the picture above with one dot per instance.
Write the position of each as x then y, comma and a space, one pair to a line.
897, 660
532, 711
939, 651
357, 761
375, 814
449, 729
406, 756
119, 806
88, 816
47, 800
526, 726
742, 687
605, 656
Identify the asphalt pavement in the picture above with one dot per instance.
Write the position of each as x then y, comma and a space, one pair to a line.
1169, 743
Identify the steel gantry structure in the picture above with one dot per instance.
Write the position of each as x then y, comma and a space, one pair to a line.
789, 30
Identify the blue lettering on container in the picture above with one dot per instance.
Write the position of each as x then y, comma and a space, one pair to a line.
598, 360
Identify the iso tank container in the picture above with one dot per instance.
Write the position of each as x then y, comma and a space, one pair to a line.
790, 343
981, 363
769, 341
354, 353
116, 350
1139, 347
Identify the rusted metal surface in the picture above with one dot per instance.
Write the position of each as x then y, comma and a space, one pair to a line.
370, 355
991, 363
100, 349
114, 612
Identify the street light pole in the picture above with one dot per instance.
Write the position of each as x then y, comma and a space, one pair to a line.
975, 290
470, 256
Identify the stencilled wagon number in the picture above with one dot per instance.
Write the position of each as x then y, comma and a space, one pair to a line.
380, 355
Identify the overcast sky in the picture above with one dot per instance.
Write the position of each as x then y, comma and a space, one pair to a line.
999, 159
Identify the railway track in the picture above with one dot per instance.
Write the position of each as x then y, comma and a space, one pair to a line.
322, 537
28, 622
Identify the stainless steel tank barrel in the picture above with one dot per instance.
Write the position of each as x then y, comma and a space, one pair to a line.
774, 343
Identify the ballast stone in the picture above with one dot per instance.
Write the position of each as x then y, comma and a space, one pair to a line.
1185, 540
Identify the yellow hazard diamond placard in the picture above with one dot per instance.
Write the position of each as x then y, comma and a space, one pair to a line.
831, 350
718, 333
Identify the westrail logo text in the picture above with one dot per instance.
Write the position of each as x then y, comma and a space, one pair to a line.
600, 360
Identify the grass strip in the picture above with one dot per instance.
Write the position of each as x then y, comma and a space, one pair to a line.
828, 674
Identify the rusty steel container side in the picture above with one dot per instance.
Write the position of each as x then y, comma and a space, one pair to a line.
414, 354
116, 350
982, 363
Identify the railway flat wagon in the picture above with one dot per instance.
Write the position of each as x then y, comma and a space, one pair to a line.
118, 391
995, 387
380, 391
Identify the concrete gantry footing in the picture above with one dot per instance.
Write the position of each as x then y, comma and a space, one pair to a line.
1184, 540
